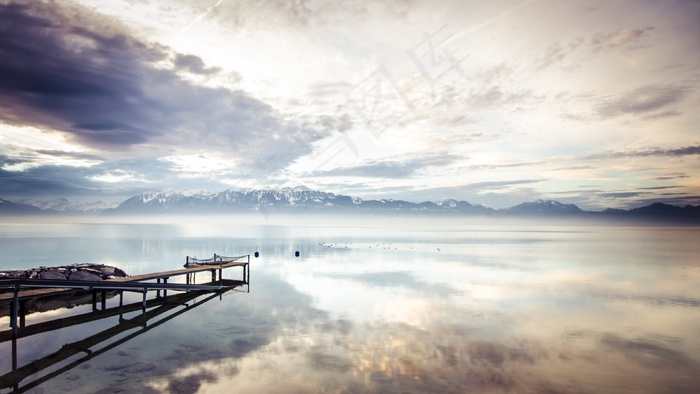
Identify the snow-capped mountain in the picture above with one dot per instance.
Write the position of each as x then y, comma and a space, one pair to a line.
303, 199
233, 201
285, 199
15, 208
63, 206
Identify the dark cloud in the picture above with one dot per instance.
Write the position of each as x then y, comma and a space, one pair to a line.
72, 181
48, 181
620, 194
650, 152
66, 154
644, 100
59, 73
193, 64
62, 71
673, 175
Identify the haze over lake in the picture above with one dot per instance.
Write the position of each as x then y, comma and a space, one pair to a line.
387, 305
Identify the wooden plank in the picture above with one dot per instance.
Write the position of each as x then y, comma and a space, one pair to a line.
45, 292
182, 271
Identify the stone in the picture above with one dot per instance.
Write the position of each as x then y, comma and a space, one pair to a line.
106, 271
52, 274
84, 275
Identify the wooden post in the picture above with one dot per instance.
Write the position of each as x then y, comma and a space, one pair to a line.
22, 313
14, 359
104, 299
121, 304
14, 310
94, 299
144, 299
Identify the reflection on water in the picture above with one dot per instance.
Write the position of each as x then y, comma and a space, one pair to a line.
413, 307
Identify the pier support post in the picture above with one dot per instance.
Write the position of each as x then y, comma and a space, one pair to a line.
22, 313
14, 310
144, 300
104, 299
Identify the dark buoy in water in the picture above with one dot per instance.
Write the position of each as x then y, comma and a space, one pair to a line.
296, 254
257, 254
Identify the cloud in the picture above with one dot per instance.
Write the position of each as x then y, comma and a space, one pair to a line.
623, 38
101, 87
193, 64
83, 181
649, 152
394, 169
494, 96
498, 166
642, 101
673, 175
47, 181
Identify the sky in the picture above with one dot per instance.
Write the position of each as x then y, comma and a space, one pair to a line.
497, 103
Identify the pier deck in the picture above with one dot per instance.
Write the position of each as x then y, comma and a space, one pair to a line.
23, 290
35, 288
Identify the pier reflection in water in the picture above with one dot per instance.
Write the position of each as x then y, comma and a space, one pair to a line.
154, 313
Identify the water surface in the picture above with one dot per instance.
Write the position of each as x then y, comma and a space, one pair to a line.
387, 306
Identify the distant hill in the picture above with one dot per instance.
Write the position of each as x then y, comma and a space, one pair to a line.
303, 199
63, 206
544, 207
13, 208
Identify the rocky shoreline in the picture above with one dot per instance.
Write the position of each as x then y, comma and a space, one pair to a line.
92, 272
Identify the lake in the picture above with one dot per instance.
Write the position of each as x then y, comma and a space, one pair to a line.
379, 305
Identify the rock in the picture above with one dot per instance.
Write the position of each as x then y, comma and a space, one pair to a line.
73, 272
106, 271
52, 274
119, 273
84, 275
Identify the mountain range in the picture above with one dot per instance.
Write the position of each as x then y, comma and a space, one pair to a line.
303, 199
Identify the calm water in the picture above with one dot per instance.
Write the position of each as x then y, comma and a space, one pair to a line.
407, 306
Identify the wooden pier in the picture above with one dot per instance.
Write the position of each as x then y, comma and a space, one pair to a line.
19, 291
22, 290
